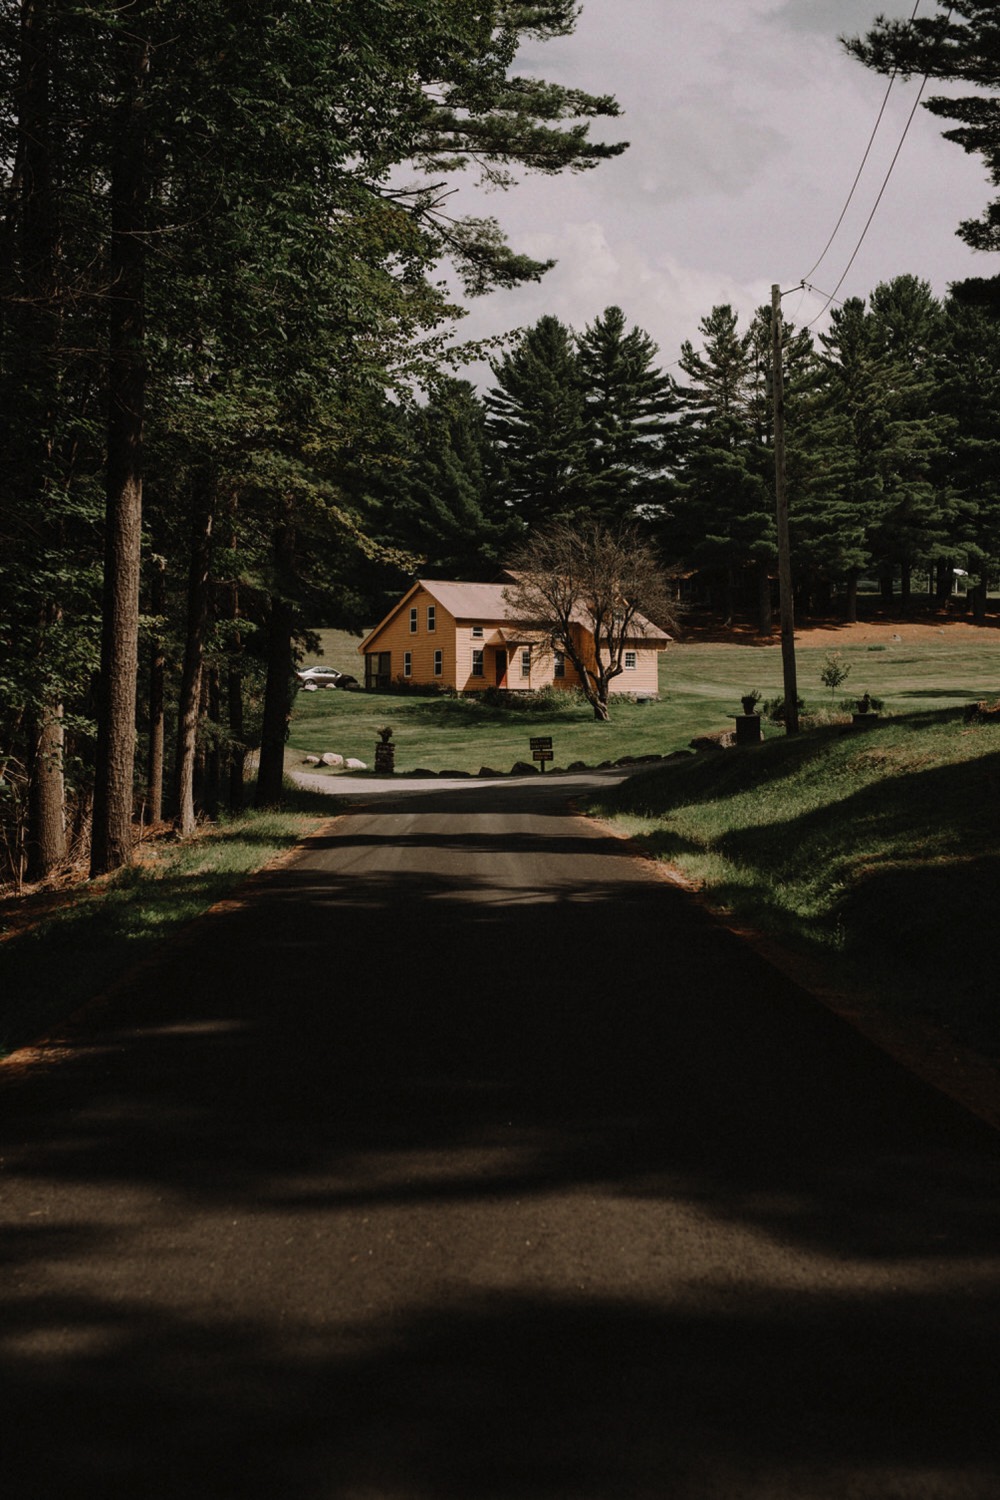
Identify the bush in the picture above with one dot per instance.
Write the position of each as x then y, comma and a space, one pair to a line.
774, 708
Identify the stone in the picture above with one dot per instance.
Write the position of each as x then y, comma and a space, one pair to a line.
523, 768
311, 760
329, 759
350, 764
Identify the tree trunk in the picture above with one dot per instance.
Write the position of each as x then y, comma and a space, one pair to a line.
277, 692
189, 706
979, 604
111, 839
46, 841
157, 684
35, 345
904, 587
237, 748
213, 758
851, 598
764, 618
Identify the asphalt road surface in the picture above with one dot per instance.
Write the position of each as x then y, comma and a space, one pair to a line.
467, 1159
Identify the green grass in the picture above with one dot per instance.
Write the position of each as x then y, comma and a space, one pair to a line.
700, 688
875, 852
53, 967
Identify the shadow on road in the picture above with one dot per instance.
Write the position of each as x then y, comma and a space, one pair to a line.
396, 1187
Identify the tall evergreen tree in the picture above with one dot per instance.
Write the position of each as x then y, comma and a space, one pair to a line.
724, 513
960, 44
235, 184
536, 421
442, 504
628, 405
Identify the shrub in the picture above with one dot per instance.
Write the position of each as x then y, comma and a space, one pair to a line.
774, 708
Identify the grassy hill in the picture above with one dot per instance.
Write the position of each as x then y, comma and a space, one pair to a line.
875, 852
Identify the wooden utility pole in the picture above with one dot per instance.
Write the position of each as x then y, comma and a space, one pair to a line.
781, 504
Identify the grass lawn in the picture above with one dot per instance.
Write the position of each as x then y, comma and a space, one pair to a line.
700, 690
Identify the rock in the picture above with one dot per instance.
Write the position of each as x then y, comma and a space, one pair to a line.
311, 760
523, 768
329, 759
422, 771
577, 765
488, 771
453, 775
309, 687
351, 764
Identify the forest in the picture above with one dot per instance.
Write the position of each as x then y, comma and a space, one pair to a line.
232, 406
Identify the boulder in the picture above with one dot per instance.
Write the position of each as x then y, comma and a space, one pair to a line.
488, 771
329, 759
523, 768
354, 765
311, 760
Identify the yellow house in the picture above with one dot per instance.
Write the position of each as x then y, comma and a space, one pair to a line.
464, 636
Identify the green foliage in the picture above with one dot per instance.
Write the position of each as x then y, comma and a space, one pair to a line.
835, 671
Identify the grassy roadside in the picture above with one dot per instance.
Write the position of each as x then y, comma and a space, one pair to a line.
87, 936
875, 853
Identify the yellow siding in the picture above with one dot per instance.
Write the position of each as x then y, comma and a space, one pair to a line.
456, 643
397, 638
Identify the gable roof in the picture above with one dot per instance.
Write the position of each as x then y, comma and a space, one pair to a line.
485, 603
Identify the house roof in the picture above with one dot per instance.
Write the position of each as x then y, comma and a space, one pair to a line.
485, 603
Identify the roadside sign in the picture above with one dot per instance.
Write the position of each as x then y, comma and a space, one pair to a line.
541, 748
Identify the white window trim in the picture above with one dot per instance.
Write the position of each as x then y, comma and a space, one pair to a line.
439, 664
481, 655
525, 662
414, 619
407, 663
631, 661
431, 619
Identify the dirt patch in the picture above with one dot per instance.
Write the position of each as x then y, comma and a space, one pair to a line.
878, 630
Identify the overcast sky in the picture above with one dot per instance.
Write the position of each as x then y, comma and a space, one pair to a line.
747, 124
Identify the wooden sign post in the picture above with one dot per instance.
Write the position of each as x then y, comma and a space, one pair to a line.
541, 749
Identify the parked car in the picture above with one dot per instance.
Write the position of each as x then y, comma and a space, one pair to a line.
312, 678
317, 677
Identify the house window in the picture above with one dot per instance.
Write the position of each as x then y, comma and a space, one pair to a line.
477, 632
526, 661
559, 668
477, 664
438, 663
630, 659
431, 617
413, 620
407, 663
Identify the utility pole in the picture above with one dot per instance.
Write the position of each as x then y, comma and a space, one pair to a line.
781, 505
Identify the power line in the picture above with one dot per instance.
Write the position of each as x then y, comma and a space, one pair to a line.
864, 160
885, 184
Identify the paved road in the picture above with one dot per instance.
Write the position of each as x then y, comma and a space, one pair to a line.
468, 1160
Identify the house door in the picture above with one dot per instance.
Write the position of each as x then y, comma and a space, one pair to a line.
500, 657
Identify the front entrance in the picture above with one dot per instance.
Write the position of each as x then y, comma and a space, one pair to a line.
500, 658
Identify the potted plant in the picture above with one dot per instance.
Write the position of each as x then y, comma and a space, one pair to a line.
750, 701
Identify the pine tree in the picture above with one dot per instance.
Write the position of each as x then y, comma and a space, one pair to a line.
628, 404
723, 522
536, 421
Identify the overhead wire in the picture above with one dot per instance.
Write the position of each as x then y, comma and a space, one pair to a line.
885, 183
861, 168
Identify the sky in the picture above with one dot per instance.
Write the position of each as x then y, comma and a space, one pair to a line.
747, 122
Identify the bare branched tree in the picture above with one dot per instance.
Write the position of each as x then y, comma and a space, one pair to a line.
590, 592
